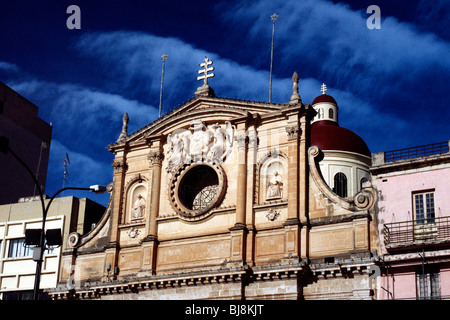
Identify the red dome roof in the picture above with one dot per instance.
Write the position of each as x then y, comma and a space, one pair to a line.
327, 135
324, 98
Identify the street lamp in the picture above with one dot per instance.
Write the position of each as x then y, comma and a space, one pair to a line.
38, 236
51, 235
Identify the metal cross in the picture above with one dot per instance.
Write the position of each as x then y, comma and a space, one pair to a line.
205, 65
323, 88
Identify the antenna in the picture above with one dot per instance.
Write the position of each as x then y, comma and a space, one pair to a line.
66, 163
43, 146
164, 58
274, 18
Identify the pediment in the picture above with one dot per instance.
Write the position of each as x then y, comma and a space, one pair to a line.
206, 109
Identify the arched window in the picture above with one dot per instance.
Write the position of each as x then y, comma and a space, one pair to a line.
340, 185
364, 179
330, 114
320, 113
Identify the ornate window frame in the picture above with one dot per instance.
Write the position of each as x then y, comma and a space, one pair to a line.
176, 202
128, 201
262, 176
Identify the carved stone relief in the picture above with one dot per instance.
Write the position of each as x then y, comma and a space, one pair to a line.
272, 214
199, 143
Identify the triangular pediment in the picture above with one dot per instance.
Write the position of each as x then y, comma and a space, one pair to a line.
208, 109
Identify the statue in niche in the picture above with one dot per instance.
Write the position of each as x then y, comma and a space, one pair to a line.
275, 186
138, 210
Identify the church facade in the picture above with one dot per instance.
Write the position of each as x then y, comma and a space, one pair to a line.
225, 199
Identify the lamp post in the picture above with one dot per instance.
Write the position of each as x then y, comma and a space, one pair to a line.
39, 250
39, 254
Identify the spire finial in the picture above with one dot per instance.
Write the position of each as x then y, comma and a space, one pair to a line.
323, 88
124, 133
295, 97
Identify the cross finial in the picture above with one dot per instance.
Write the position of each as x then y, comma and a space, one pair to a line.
323, 88
205, 65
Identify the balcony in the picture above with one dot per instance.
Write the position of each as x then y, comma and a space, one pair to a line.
418, 233
421, 151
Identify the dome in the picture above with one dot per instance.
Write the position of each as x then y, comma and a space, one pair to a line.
325, 131
324, 98
327, 135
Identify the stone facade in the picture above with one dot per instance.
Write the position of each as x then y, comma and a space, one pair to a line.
223, 199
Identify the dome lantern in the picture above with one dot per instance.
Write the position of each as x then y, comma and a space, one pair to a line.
326, 107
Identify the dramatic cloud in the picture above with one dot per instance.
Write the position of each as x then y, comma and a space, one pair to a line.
390, 84
8, 67
87, 121
83, 113
83, 171
125, 53
134, 62
330, 41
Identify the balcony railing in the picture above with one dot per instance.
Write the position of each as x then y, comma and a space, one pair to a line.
414, 152
418, 231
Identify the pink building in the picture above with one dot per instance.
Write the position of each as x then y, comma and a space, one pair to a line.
414, 222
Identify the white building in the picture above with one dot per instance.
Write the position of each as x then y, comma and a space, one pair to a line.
17, 268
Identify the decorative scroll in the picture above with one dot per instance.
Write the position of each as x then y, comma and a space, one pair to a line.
363, 200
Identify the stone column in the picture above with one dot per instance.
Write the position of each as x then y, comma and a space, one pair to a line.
241, 187
304, 185
155, 158
150, 242
112, 248
238, 231
292, 223
293, 175
250, 216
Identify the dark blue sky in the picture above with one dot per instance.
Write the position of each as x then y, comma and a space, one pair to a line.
391, 84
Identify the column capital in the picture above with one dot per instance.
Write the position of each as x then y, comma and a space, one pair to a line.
293, 132
155, 158
119, 166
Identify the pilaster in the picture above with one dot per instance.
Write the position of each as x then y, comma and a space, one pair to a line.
150, 242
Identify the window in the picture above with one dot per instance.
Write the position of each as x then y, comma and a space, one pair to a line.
330, 113
320, 113
18, 249
363, 180
340, 185
424, 207
428, 282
